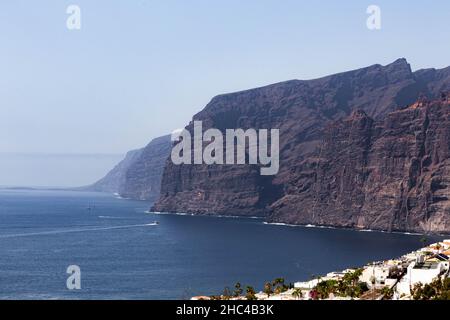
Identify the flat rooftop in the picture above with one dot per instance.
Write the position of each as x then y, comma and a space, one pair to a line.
426, 265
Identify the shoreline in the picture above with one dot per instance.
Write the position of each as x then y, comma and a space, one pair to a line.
281, 224
402, 278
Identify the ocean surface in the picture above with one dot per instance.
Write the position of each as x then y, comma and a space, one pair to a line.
122, 254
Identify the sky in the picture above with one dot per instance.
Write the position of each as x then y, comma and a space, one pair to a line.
139, 69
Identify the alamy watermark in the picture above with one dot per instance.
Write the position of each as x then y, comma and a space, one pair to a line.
73, 22
241, 147
74, 280
373, 22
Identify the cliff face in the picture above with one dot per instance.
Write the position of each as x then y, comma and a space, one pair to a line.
115, 178
393, 174
143, 177
305, 112
139, 175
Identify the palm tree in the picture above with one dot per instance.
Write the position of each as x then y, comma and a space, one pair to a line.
279, 286
237, 289
277, 281
297, 293
251, 294
268, 289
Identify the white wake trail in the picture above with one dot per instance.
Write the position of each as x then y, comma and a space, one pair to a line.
43, 233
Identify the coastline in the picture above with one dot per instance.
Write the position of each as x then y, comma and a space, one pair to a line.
402, 278
342, 228
281, 224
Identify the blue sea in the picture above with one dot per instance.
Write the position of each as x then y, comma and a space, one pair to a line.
122, 254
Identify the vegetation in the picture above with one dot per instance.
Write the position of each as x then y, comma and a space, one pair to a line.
279, 286
237, 290
348, 286
276, 286
325, 288
313, 295
251, 294
387, 293
297, 293
268, 289
437, 290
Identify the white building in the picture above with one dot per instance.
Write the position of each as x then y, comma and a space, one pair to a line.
375, 274
307, 284
423, 272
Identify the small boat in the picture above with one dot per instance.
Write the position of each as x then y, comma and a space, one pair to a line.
156, 222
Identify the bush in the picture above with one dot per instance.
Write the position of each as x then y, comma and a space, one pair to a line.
436, 290
348, 286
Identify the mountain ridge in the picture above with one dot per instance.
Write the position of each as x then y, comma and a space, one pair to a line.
301, 109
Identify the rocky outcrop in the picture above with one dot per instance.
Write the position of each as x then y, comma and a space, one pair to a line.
143, 177
115, 178
305, 112
392, 174
139, 175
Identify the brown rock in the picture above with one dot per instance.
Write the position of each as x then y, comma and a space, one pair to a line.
335, 134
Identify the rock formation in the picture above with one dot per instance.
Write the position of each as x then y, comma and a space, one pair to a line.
392, 174
350, 155
139, 175
115, 178
143, 177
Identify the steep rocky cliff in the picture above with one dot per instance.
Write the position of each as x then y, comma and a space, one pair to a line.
143, 177
139, 175
115, 178
391, 174
304, 112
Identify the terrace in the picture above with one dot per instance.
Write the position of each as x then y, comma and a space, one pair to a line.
428, 265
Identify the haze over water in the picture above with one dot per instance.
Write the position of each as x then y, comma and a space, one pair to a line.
54, 170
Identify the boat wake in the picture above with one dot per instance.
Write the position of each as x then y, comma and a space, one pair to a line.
112, 217
63, 231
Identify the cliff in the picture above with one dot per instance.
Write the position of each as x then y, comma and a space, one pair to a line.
392, 174
143, 177
139, 175
305, 112
115, 178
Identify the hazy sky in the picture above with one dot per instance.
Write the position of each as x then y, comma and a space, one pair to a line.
54, 170
139, 69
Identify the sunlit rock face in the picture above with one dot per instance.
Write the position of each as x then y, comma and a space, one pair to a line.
343, 160
391, 174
